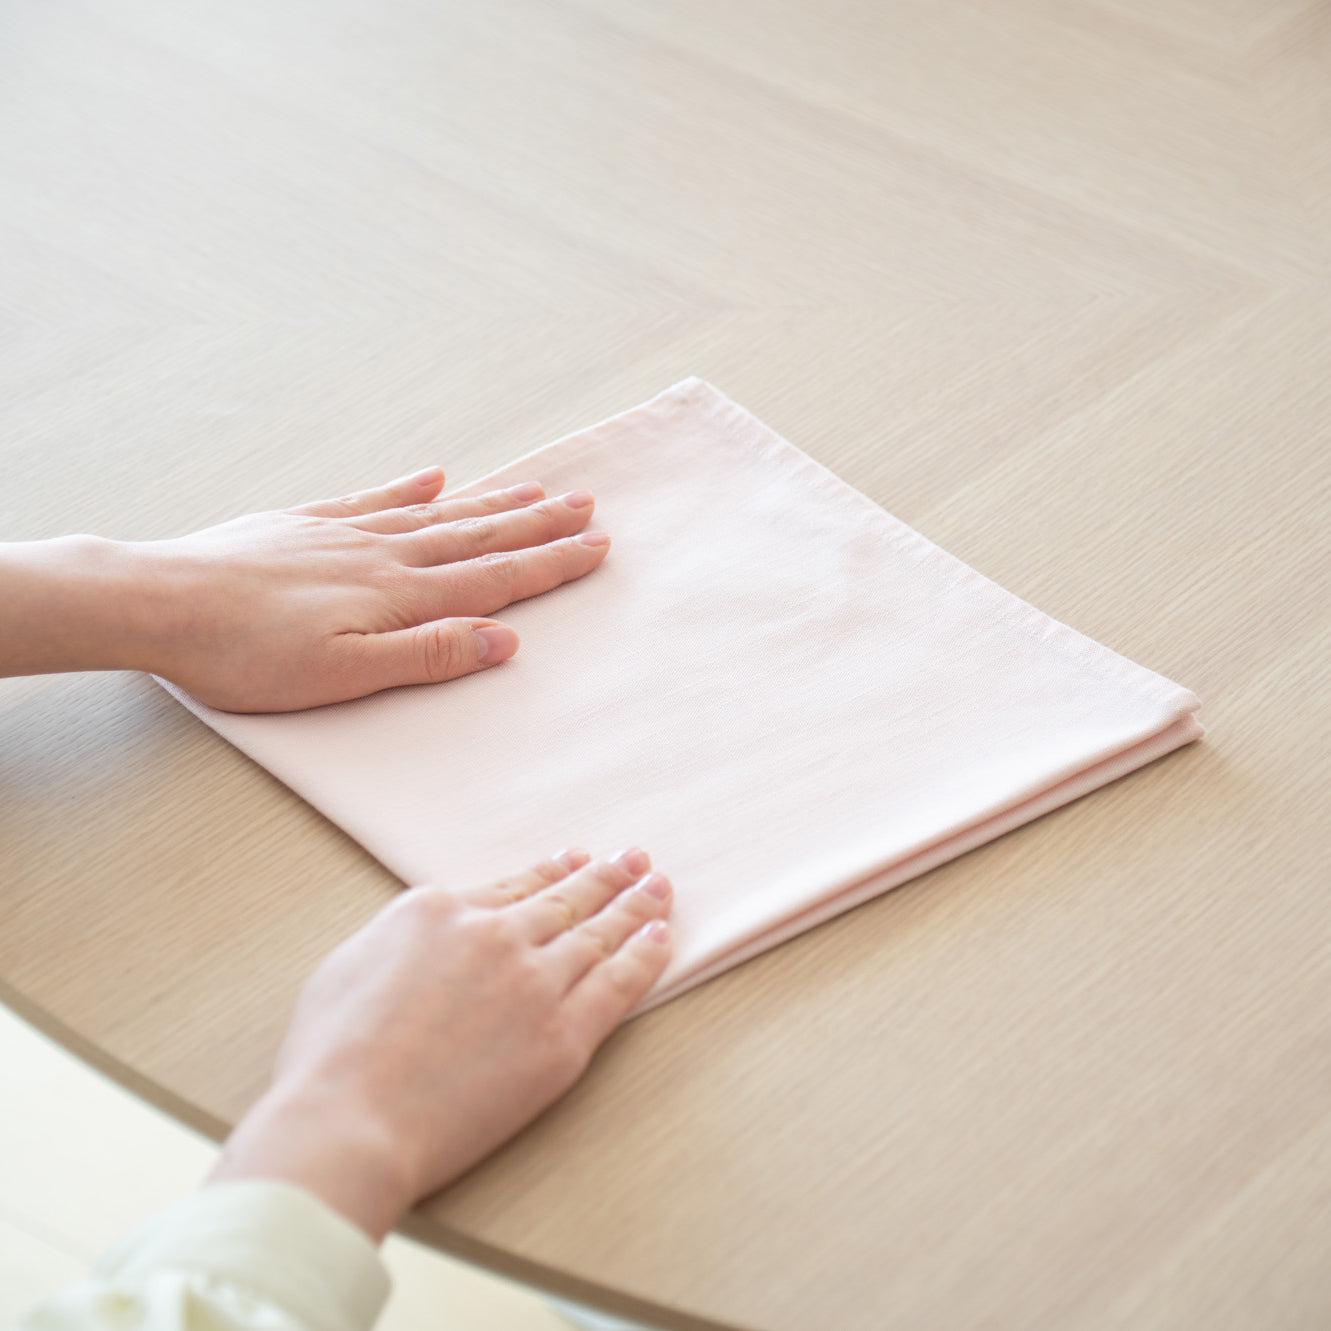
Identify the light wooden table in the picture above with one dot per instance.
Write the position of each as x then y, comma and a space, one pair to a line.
1048, 280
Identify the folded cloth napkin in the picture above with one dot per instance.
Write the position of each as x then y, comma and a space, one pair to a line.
791, 699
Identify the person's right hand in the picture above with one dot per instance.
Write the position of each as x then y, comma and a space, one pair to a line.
449, 1022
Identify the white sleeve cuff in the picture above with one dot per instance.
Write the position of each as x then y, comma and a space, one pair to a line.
272, 1240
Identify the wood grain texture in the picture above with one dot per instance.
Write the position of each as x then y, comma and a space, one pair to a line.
1049, 280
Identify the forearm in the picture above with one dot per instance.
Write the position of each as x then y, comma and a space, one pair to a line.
76, 603
328, 1146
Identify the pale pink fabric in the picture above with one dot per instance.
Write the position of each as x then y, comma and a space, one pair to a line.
793, 700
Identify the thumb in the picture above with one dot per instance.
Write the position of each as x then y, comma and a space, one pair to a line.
431, 653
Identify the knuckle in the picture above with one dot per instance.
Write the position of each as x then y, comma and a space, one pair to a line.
494, 501
497, 573
549, 871
554, 562
428, 904
637, 906
600, 942
413, 517
440, 652
480, 531
494, 936
624, 982
507, 891
499, 565
513, 892
348, 506
562, 908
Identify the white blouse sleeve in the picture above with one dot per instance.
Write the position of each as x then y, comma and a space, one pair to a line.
251, 1256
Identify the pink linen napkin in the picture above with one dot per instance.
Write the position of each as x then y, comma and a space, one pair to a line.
791, 699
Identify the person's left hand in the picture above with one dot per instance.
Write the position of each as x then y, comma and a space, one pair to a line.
448, 1022
336, 599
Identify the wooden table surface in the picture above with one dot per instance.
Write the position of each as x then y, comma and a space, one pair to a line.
1049, 280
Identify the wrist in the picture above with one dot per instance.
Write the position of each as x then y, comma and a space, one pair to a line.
73, 603
347, 1159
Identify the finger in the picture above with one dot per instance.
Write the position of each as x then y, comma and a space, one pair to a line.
519, 886
610, 991
427, 654
595, 940
519, 529
423, 486
581, 895
482, 586
419, 516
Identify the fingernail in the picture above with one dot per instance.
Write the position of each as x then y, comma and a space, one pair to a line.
654, 885
577, 499
635, 860
526, 491
428, 476
594, 538
495, 643
574, 858
656, 932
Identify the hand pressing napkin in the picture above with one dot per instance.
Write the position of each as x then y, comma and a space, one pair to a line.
791, 699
